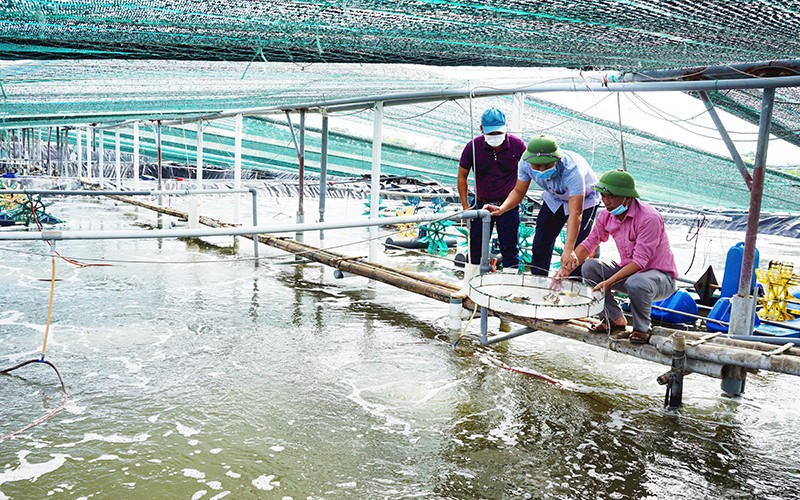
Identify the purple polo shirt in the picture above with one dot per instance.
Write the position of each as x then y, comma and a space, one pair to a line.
496, 172
640, 237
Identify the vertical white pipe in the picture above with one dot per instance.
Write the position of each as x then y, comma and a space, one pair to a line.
79, 147
377, 134
118, 164
237, 166
39, 147
89, 141
101, 161
200, 154
517, 114
136, 156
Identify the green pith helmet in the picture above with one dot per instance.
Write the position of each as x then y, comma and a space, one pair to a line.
617, 183
542, 150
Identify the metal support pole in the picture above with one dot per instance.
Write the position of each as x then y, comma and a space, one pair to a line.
39, 147
49, 137
200, 154
89, 149
118, 160
374, 203
673, 379
158, 149
79, 145
486, 233
101, 160
733, 381
712, 112
323, 176
741, 305
254, 196
136, 156
59, 152
301, 215
517, 114
237, 164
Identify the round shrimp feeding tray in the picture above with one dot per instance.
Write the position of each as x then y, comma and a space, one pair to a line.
530, 296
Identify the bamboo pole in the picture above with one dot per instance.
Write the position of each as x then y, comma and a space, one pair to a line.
716, 357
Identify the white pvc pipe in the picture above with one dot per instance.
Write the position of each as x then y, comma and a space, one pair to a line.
101, 163
79, 143
377, 135
200, 154
118, 163
136, 156
515, 124
89, 153
237, 166
234, 231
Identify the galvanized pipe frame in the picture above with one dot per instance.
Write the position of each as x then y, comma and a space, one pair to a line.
185, 192
55, 235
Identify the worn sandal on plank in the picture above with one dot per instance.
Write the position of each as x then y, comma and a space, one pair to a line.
638, 337
606, 327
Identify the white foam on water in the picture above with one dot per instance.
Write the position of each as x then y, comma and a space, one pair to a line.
214, 485
265, 483
11, 317
104, 457
214, 451
114, 438
153, 419
232, 474
31, 471
185, 431
380, 411
220, 495
194, 473
277, 448
199, 494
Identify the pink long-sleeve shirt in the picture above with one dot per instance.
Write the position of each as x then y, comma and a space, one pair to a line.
640, 237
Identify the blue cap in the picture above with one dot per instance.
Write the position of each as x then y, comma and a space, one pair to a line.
493, 119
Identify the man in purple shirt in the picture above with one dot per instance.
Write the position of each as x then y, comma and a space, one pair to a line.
493, 156
646, 270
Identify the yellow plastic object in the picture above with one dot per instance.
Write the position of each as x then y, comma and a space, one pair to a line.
777, 280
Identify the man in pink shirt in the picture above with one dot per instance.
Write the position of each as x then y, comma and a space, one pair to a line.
646, 270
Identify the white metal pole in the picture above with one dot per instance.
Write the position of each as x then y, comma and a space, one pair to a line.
136, 156
79, 144
101, 163
200, 154
118, 164
39, 147
89, 142
377, 134
237, 166
517, 114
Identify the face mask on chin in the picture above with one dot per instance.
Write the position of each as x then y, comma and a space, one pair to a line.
619, 210
494, 140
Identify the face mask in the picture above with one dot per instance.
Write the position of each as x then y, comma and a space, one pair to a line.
495, 140
619, 210
545, 174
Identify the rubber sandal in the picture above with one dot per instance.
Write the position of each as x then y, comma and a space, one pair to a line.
638, 337
606, 326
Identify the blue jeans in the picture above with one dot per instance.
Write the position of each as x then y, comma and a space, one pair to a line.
507, 229
548, 227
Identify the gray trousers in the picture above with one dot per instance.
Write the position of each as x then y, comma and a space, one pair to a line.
643, 288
